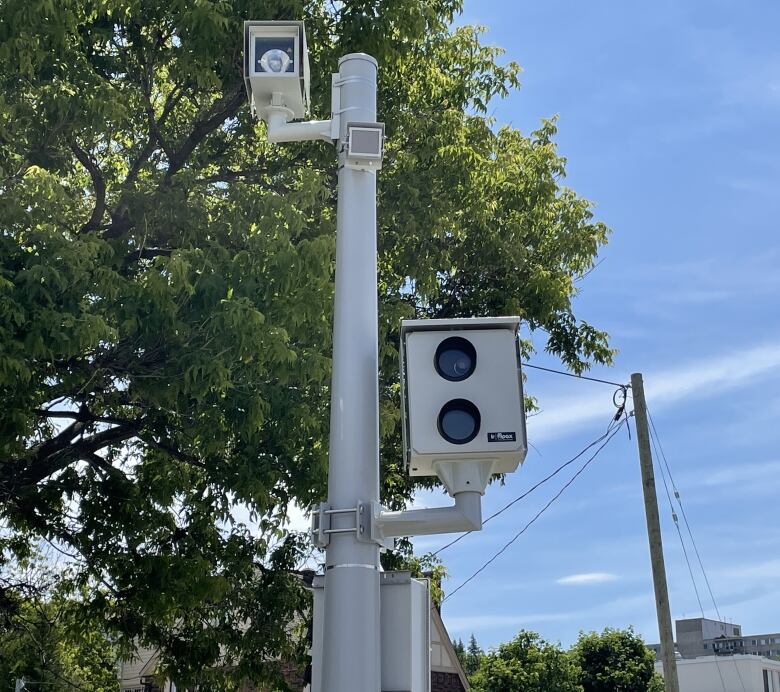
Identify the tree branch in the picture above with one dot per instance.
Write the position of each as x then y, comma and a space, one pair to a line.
148, 253
22, 473
224, 108
175, 453
81, 415
97, 182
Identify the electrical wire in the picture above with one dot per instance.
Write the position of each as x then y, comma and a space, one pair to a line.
684, 515
532, 488
663, 466
571, 374
676, 522
614, 431
682, 544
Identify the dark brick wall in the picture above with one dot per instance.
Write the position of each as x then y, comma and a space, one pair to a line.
446, 682
440, 682
291, 674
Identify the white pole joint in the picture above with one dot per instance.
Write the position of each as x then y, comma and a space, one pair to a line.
464, 515
279, 128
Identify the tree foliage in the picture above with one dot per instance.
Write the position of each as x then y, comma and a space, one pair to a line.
527, 663
166, 279
472, 656
611, 661
44, 641
460, 649
615, 661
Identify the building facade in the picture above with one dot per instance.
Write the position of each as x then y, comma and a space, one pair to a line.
738, 673
704, 637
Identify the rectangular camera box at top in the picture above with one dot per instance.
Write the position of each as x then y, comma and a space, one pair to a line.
494, 387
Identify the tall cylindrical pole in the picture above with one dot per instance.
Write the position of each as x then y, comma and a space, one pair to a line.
654, 535
351, 647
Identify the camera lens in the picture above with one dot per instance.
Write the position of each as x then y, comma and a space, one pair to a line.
455, 359
459, 421
275, 60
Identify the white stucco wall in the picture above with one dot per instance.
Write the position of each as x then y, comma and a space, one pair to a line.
734, 673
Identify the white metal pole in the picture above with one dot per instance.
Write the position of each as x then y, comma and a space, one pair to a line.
351, 647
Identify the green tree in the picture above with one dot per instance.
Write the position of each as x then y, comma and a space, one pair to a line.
472, 656
166, 280
460, 650
526, 664
656, 684
44, 640
615, 661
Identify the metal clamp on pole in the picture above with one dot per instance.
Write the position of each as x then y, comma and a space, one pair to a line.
320, 523
322, 526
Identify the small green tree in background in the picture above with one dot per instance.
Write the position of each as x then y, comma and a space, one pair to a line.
44, 640
615, 661
526, 664
459, 648
472, 657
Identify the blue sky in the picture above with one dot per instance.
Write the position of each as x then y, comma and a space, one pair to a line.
670, 120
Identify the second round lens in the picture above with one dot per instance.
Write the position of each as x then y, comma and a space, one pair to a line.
459, 421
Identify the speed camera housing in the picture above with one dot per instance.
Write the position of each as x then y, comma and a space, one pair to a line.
276, 66
462, 394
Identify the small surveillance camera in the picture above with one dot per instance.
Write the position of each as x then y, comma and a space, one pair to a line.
276, 67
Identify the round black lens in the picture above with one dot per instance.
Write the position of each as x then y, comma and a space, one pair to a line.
459, 421
455, 359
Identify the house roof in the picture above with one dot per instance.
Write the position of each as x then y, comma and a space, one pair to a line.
447, 649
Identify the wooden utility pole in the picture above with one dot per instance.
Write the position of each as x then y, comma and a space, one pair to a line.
654, 535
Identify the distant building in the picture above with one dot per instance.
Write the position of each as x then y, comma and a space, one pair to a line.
738, 673
705, 637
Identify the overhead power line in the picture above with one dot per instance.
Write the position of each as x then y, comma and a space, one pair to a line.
664, 468
684, 515
576, 376
613, 431
533, 487
653, 441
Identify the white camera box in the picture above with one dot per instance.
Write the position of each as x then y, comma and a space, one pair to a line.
276, 62
456, 409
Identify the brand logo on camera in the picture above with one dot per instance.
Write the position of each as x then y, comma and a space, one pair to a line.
502, 437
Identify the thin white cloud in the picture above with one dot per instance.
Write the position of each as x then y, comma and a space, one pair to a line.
741, 473
625, 608
716, 374
757, 571
588, 578
697, 379
473, 623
